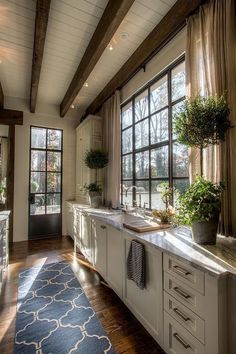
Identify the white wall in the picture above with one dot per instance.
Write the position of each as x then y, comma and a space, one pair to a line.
174, 49
47, 116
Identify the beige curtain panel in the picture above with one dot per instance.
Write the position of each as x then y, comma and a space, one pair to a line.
110, 112
211, 69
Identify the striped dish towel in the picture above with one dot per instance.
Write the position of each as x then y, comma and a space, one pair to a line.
136, 263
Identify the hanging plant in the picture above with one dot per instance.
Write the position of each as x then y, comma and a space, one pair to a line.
204, 121
96, 159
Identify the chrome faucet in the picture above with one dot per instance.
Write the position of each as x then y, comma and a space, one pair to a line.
131, 187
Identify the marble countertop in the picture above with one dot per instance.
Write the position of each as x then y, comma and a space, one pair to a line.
3, 216
217, 260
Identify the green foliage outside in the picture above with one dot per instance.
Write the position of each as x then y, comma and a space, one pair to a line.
201, 202
203, 121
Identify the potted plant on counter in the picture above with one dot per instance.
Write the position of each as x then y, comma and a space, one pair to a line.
95, 160
95, 194
200, 207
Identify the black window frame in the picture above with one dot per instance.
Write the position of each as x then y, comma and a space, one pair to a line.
170, 142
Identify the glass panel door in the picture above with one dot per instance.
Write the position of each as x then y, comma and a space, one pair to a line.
45, 185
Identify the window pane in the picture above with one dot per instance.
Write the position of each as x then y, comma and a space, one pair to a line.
127, 192
156, 200
143, 191
142, 164
54, 161
141, 106
53, 203
178, 82
180, 160
176, 109
180, 186
37, 183
141, 134
159, 95
53, 182
127, 141
159, 127
127, 166
38, 138
159, 162
54, 139
127, 115
38, 160
38, 208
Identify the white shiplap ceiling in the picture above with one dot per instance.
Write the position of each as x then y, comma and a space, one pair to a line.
70, 27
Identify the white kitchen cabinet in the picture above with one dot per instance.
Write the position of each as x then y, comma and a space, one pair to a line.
86, 244
69, 220
99, 240
115, 259
88, 136
147, 304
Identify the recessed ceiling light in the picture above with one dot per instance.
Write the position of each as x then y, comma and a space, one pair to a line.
124, 35
110, 47
86, 84
72, 106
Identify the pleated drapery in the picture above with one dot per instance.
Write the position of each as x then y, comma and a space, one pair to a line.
110, 112
210, 70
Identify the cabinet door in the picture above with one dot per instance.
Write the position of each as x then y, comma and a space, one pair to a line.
115, 259
69, 221
147, 304
85, 239
100, 246
76, 227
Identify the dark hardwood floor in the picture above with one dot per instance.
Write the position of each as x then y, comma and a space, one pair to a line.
125, 332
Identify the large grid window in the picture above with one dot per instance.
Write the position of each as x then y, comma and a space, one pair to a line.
150, 154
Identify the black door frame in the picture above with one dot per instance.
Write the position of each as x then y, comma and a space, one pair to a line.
45, 193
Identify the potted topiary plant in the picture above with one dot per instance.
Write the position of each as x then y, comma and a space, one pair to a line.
199, 207
203, 121
95, 192
95, 159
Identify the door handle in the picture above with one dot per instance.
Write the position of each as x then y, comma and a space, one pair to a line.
181, 270
181, 292
181, 341
181, 315
32, 199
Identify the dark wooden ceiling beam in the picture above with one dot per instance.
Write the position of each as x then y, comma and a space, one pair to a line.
112, 17
41, 22
11, 117
166, 29
1, 97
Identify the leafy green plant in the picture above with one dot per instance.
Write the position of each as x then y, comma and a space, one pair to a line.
34, 186
166, 193
201, 202
2, 189
96, 159
93, 187
204, 121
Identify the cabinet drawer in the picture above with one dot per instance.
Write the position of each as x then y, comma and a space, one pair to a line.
183, 271
188, 319
186, 295
179, 341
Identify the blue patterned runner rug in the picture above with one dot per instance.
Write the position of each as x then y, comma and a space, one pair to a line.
54, 316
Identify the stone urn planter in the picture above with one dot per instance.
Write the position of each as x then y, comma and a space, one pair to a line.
205, 232
95, 199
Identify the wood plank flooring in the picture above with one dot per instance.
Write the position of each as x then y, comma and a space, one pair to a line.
126, 334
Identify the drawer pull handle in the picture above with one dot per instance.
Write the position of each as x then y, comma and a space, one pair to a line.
181, 315
103, 227
181, 341
181, 270
181, 292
